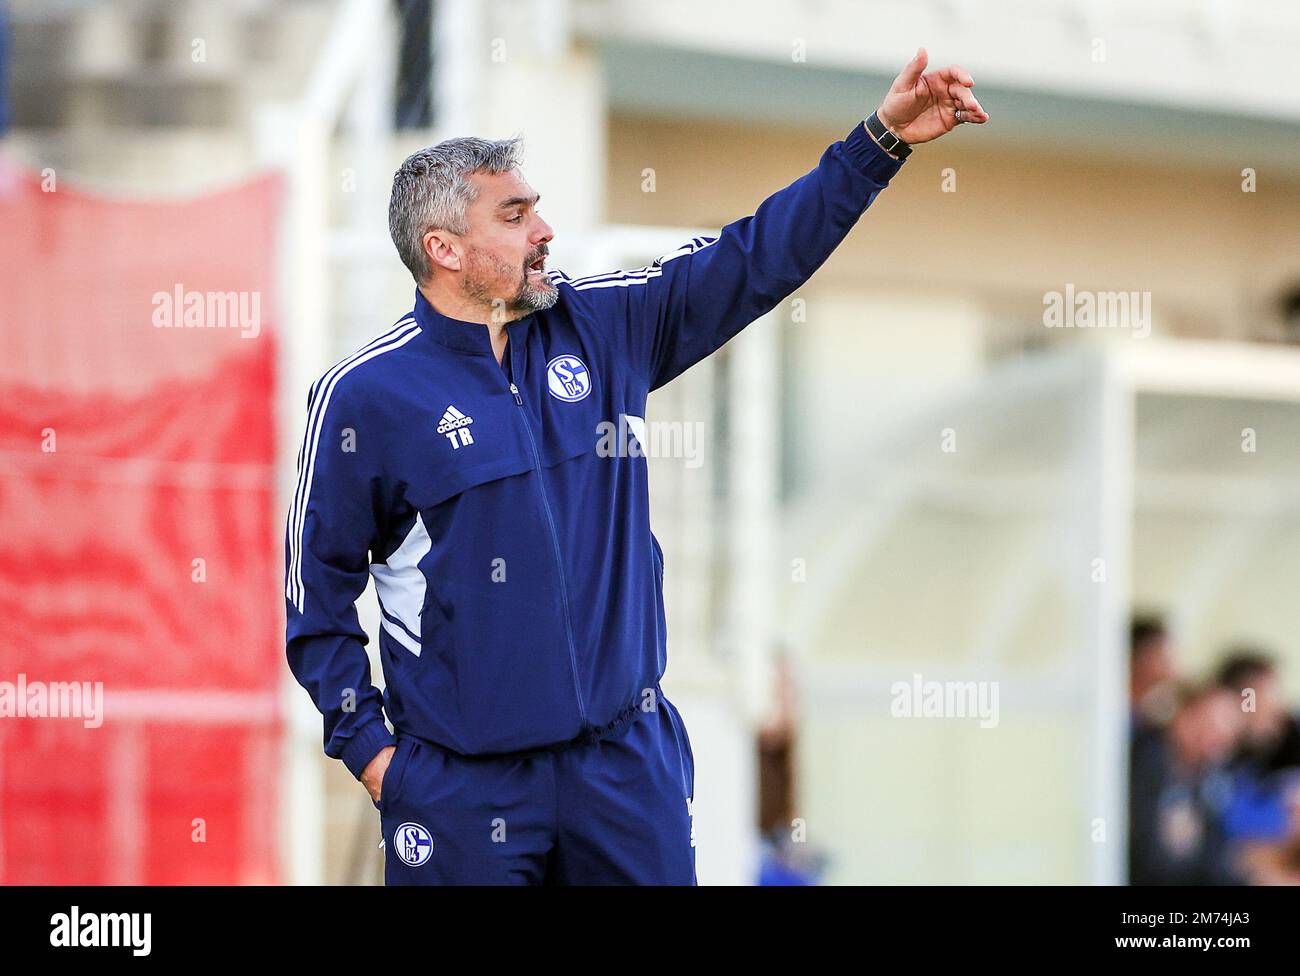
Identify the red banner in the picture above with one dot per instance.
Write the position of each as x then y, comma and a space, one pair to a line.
140, 619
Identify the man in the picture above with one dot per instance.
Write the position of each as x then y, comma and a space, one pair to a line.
1271, 735
1180, 793
455, 459
1151, 673
1266, 766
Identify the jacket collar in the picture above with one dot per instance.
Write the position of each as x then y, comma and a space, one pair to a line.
466, 337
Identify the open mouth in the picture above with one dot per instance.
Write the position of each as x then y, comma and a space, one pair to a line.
539, 265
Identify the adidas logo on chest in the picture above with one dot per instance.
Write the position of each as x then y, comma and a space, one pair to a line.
455, 427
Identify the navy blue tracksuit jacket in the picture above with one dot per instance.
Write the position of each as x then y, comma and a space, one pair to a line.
519, 582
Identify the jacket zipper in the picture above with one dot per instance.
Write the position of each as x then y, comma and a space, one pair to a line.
555, 542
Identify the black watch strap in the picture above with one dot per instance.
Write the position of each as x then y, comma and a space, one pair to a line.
888, 141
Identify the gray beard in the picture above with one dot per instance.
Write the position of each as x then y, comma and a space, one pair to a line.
529, 298
532, 299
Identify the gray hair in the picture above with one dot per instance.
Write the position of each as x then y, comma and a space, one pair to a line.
432, 190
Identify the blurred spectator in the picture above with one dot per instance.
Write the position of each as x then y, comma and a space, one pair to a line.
776, 755
786, 859
1271, 734
1263, 815
1151, 673
1180, 790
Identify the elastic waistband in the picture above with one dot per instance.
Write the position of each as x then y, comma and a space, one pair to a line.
620, 722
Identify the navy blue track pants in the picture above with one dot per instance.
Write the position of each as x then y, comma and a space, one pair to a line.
614, 810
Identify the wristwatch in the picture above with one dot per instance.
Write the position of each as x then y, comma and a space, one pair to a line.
889, 142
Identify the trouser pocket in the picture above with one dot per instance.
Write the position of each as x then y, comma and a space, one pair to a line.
391, 784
